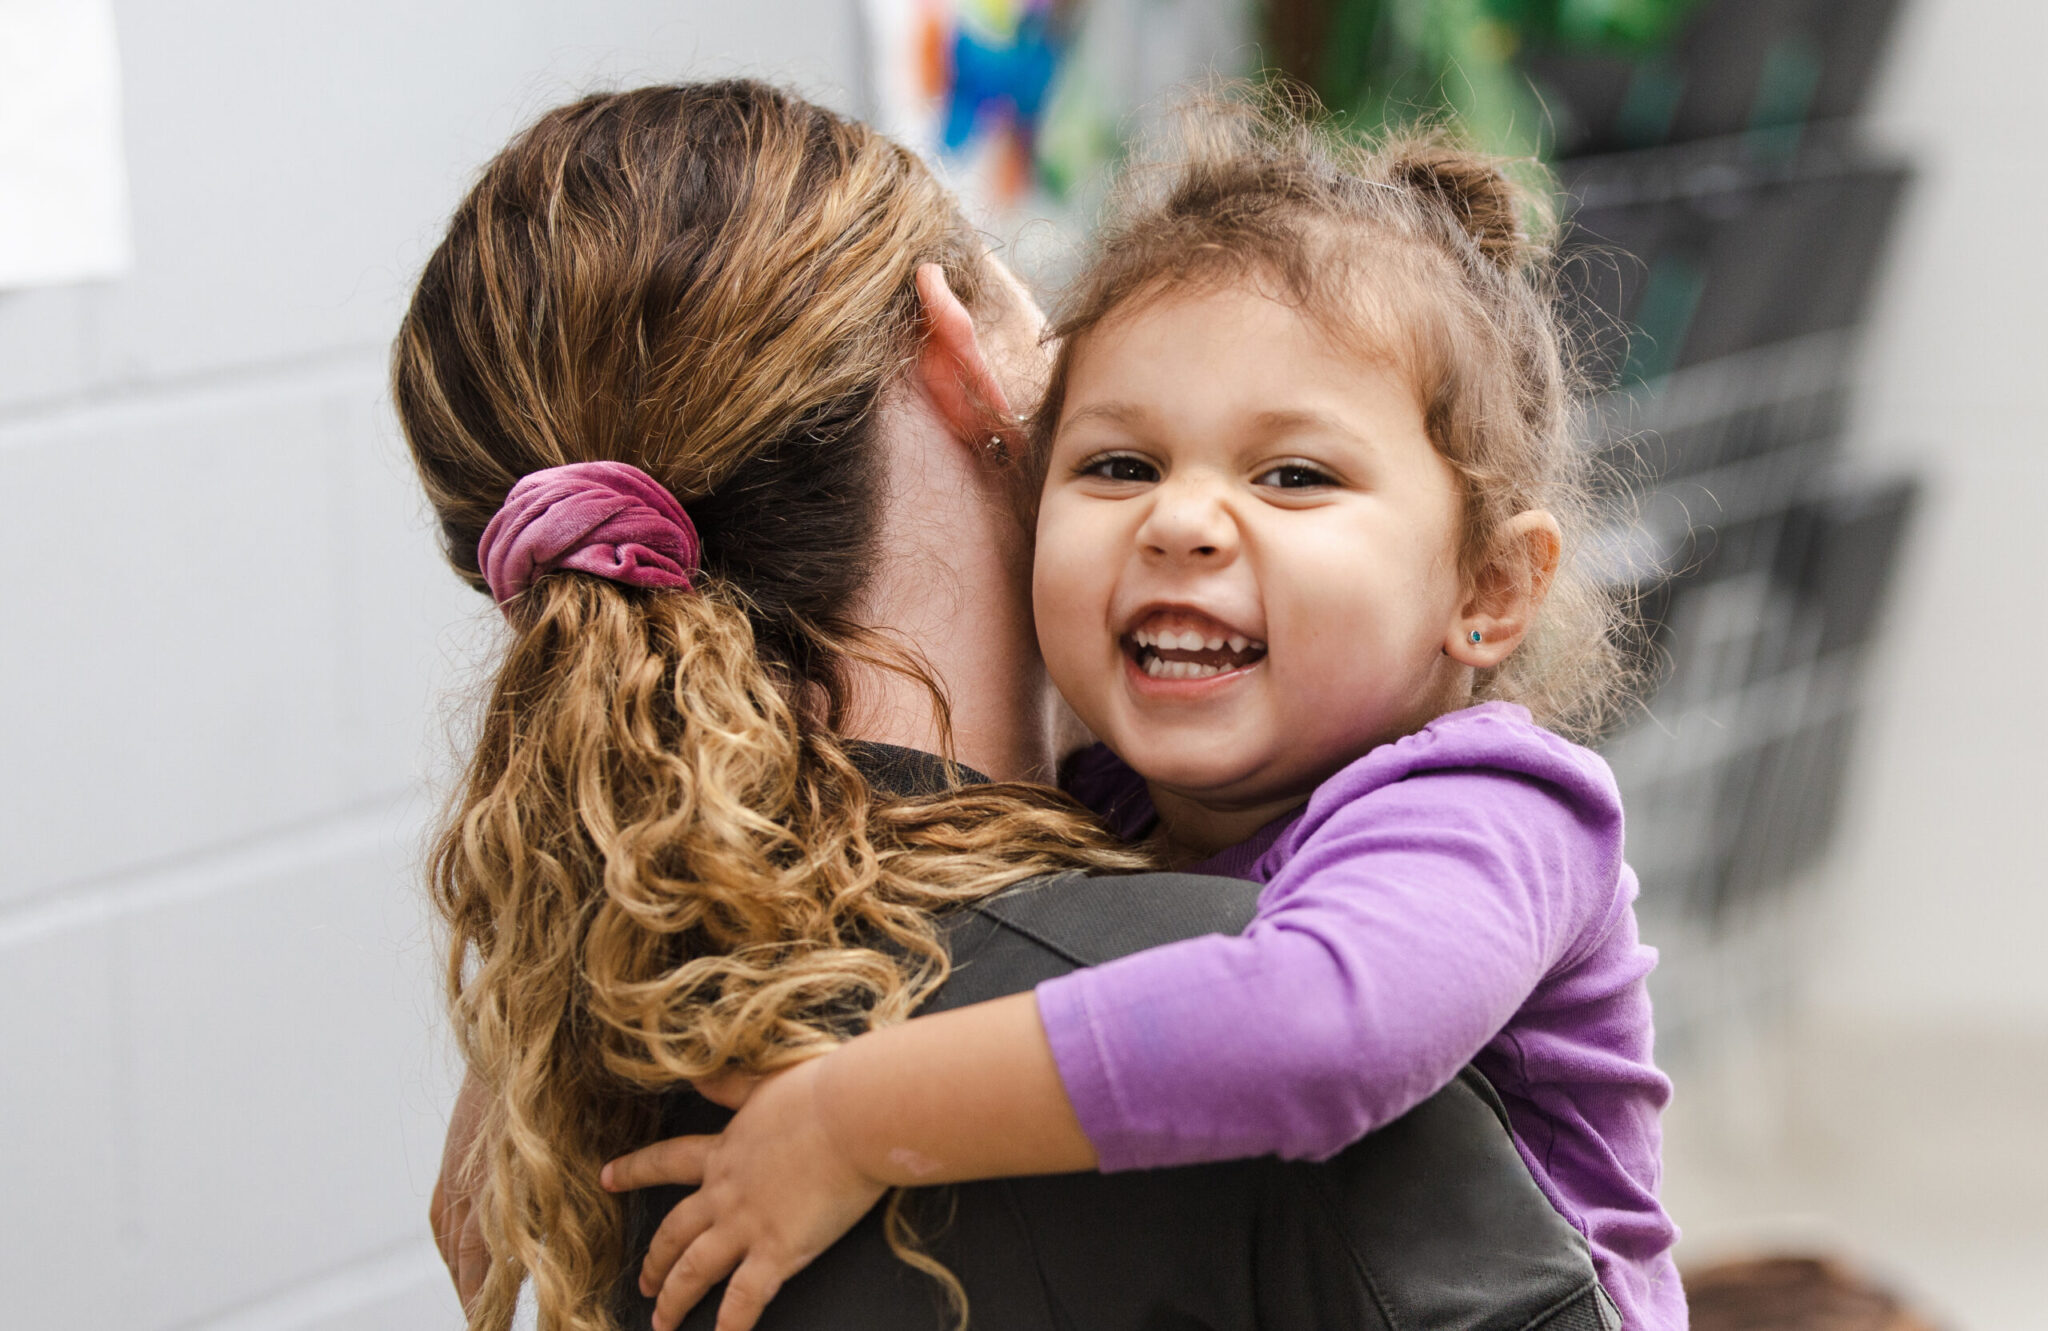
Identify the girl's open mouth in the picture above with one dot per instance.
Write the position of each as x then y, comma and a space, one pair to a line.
1190, 651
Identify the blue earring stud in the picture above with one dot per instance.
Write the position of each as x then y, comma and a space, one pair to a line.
1477, 637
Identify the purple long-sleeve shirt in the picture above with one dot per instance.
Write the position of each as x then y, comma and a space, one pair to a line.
1457, 896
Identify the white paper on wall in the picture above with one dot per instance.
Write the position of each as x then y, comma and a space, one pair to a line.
63, 185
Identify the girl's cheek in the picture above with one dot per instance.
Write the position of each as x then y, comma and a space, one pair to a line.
1070, 610
1054, 598
1062, 607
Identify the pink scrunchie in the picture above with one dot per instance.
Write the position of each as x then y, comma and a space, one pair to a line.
607, 518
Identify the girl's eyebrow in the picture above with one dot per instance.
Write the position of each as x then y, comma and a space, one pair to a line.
1269, 423
1128, 414
1264, 424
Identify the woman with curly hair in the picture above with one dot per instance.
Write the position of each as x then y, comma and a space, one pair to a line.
717, 395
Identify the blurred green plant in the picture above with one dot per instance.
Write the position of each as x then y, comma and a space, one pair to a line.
1386, 62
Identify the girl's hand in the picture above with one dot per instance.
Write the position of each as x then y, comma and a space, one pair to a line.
774, 1191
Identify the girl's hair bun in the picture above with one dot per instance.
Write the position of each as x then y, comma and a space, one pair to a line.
1473, 189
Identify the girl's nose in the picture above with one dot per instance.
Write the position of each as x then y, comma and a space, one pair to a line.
1188, 521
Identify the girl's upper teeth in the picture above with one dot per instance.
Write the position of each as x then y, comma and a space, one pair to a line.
1188, 640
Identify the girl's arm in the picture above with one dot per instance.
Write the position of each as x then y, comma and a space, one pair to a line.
1409, 923
967, 1094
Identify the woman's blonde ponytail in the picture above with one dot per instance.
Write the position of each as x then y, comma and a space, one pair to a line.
663, 861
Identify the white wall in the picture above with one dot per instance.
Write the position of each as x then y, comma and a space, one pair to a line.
1895, 1118
1940, 889
227, 645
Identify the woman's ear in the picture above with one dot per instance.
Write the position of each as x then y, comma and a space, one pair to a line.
1508, 591
953, 369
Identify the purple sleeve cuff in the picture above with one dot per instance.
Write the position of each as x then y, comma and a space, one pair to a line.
1084, 1070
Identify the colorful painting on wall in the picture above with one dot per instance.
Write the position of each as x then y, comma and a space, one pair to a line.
985, 86
1025, 104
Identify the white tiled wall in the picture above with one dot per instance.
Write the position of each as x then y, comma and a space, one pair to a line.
177, 676
231, 652
43, 345
65, 1122
279, 1024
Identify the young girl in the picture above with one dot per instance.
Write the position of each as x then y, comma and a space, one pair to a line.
1308, 481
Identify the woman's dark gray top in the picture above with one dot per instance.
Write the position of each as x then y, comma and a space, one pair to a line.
1431, 1223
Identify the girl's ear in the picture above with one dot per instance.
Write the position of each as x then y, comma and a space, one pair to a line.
952, 369
1508, 591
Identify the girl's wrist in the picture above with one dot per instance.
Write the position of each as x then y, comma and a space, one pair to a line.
839, 1111
857, 1100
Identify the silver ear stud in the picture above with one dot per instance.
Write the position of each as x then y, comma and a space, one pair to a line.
1477, 637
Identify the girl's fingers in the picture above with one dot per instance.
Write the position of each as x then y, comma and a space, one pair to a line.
747, 1294
703, 1264
681, 1227
729, 1089
677, 1160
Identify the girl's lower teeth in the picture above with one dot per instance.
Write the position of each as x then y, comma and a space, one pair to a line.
1159, 669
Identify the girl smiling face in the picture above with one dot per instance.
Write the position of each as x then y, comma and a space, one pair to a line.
1247, 568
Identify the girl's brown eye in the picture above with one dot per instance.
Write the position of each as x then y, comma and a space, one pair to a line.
1120, 467
1294, 476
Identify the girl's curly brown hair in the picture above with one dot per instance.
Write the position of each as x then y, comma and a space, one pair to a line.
663, 861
